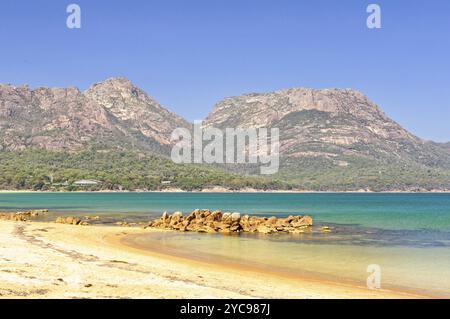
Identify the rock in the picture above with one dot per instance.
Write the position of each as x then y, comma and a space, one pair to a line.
221, 226
235, 228
326, 229
22, 216
245, 224
60, 220
235, 216
304, 221
264, 229
122, 223
225, 231
101, 108
177, 214
210, 230
205, 221
190, 217
214, 216
92, 217
71, 221
289, 219
176, 218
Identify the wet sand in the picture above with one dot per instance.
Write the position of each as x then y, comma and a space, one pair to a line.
48, 260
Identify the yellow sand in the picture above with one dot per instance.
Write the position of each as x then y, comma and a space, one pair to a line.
47, 260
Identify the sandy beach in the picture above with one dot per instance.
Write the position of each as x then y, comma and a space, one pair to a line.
48, 260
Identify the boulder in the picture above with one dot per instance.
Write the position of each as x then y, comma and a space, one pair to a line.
304, 221
236, 217
22, 216
326, 229
264, 229
175, 220
202, 220
60, 220
226, 217
71, 221
214, 216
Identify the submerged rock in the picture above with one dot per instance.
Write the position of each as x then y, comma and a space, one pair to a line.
205, 221
326, 229
71, 221
23, 216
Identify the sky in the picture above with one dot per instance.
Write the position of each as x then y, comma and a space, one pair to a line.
190, 54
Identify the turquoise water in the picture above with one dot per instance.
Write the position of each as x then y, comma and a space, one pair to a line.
383, 211
420, 270
407, 235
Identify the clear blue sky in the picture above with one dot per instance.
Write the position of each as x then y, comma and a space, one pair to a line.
189, 54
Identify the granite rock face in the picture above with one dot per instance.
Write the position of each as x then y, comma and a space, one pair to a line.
329, 124
337, 139
206, 221
113, 114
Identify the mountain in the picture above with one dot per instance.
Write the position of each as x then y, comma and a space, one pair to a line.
113, 114
337, 139
113, 132
331, 140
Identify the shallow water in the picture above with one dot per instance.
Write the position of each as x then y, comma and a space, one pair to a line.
411, 269
385, 211
407, 235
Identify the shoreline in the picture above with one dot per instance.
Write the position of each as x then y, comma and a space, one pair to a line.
215, 191
48, 260
267, 271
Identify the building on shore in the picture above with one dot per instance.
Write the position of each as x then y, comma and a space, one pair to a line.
86, 182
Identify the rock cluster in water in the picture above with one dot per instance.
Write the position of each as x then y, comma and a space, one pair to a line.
22, 216
202, 220
71, 221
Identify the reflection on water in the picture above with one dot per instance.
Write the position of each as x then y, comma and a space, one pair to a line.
364, 236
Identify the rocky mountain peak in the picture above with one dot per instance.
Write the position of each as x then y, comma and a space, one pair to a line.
126, 102
115, 90
266, 109
113, 113
113, 84
333, 125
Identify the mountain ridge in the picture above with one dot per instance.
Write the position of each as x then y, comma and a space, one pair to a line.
105, 113
272, 109
330, 139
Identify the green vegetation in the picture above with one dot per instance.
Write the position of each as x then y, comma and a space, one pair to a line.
45, 170
352, 174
